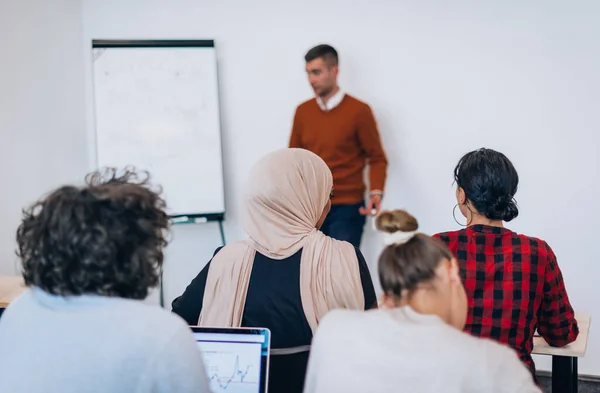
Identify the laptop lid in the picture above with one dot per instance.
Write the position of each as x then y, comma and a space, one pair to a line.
236, 359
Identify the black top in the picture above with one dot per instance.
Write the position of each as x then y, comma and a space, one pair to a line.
273, 301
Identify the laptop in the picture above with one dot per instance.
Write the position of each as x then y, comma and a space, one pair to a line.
236, 359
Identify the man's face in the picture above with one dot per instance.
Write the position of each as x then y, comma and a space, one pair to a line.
321, 76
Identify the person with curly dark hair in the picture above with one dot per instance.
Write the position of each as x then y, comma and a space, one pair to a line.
513, 281
90, 255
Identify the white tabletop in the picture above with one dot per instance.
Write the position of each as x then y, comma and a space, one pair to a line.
13, 286
576, 349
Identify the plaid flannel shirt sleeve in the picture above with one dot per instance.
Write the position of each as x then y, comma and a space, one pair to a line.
557, 323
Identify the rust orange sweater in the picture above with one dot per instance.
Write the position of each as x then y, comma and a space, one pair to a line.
346, 138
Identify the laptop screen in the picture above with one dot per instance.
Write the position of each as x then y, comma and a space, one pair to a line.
236, 360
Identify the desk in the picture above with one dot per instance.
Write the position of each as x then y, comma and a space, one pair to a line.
564, 359
10, 288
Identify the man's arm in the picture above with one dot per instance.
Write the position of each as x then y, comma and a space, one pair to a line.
295, 137
370, 143
557, 324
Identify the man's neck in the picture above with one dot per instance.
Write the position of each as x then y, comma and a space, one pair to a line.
326, 98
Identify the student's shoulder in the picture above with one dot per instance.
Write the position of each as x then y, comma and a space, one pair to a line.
538, 246
536, 242
343, 320
150, 329
359, 255
450, 236
23, 305
150, 318
229, 251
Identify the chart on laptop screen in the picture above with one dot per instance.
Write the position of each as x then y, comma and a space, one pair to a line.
232, 367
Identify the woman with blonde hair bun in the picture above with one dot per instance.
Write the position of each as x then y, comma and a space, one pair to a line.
415, 343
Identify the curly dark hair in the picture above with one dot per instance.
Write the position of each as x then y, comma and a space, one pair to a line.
104, 238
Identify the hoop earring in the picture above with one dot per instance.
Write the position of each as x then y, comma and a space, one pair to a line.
454, 216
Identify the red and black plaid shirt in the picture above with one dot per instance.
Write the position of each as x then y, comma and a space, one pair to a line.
514, 285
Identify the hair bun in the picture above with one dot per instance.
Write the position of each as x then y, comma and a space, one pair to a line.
392, 221
504, 208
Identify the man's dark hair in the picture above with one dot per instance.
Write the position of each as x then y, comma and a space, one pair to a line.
326, 52
104, 238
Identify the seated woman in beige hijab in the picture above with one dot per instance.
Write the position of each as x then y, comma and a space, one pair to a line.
415, 343
288, 274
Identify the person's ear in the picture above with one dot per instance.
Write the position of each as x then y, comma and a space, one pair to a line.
453, 271
387, 302
335, 70
461, 197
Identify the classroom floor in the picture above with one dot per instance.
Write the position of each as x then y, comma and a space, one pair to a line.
584, 386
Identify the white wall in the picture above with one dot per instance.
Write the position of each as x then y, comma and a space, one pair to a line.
442, 77
42, 109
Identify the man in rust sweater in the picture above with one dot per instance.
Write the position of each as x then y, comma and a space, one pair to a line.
343, 132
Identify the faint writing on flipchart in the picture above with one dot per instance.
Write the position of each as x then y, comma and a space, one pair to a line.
166, 113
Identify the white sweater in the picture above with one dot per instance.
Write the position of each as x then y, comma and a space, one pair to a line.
402, 351
96, 344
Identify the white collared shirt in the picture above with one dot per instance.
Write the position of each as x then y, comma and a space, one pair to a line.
334, 101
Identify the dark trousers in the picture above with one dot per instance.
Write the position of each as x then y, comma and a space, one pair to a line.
344, 222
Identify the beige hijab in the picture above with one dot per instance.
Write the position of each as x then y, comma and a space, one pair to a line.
286, 194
